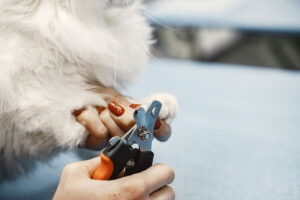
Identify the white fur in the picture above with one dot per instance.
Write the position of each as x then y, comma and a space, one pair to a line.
169, 108
49, 52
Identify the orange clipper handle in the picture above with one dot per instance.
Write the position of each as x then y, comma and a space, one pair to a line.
105, 169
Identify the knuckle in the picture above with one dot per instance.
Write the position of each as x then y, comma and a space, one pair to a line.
105, 116
170, 193
168, 171
128, 123
101, 131
126, 120
70, 169
85, 115
171, 173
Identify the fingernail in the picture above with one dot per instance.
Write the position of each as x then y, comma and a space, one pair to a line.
100, 109
116, 109
134, 106
157, 124
76, 113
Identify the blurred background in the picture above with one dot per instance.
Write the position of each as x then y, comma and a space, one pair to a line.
249, 32
234, 66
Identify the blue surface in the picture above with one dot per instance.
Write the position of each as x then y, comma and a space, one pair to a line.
237, 135
279, 16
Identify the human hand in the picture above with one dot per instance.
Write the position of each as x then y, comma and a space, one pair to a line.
151, 184
115, 120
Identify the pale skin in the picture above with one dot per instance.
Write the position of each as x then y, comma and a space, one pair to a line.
76, 182
105, 124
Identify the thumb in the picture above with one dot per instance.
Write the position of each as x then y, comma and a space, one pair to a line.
90, 165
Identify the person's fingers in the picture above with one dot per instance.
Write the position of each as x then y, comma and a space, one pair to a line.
93, 142
122, 115
149, 180
165, 193
110, 123
116, 120
81, 169
90, 119
90, 165
162, 130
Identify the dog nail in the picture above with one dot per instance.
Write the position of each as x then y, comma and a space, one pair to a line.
157, 125
76, 113
116, 109
100, 109
134, 106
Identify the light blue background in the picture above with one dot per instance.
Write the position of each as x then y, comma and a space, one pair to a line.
236, 138
281, 16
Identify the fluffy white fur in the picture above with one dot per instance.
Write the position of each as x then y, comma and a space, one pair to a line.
50, 53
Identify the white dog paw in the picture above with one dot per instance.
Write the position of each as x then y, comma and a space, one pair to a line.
170, 106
